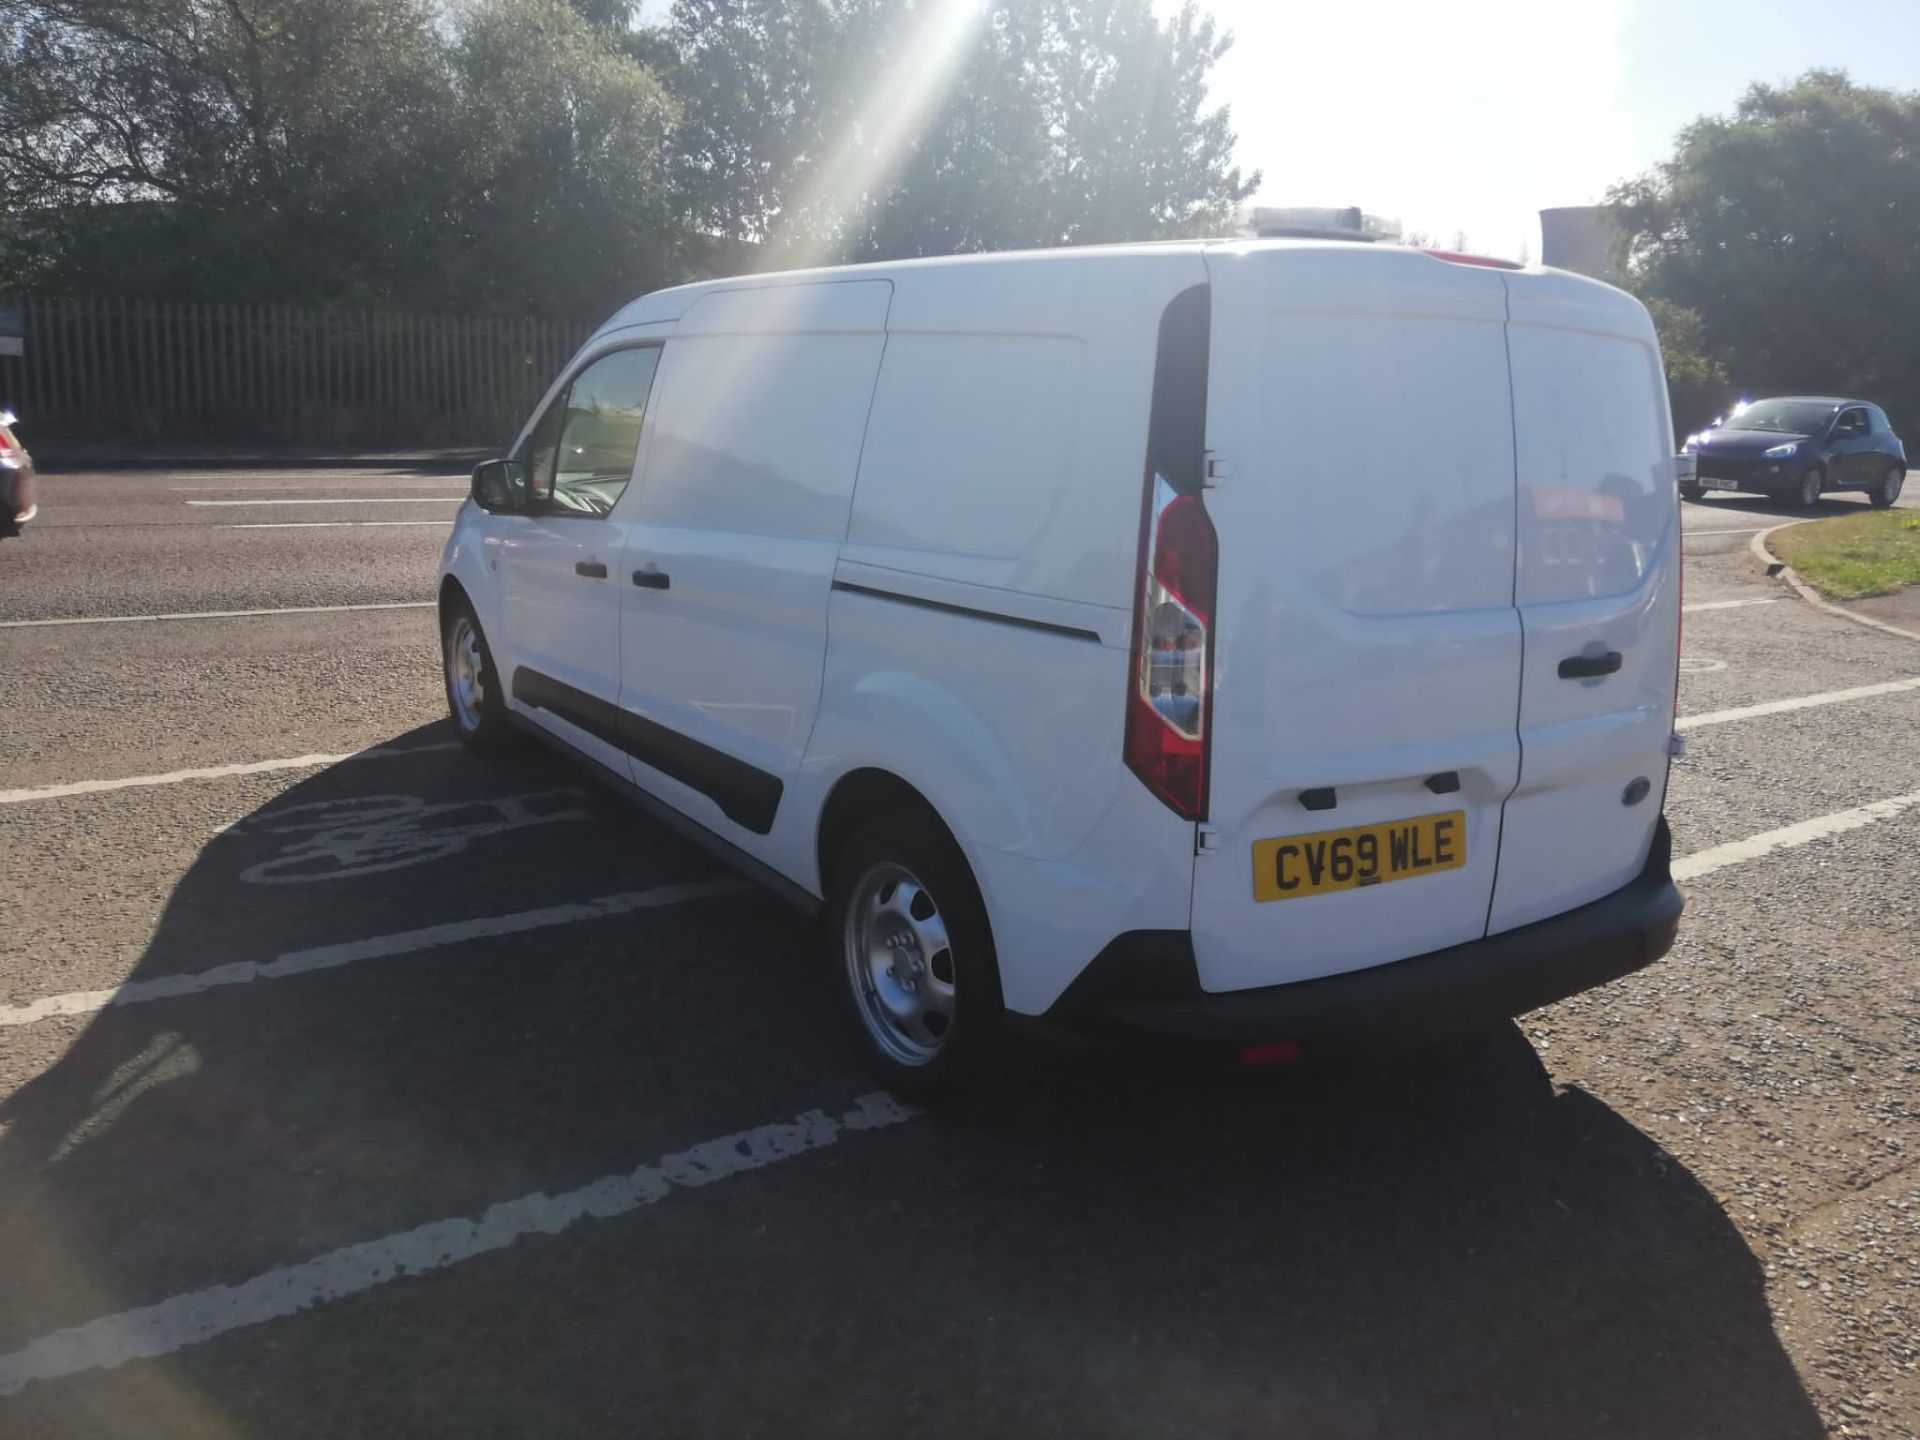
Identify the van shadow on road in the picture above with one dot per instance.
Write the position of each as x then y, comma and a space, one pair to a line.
1442, 1245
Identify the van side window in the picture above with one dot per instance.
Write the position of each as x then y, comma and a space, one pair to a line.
599, 433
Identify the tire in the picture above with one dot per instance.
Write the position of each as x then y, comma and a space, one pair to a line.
1692, 492
1888, 490
475, 703
1807, 495
911, 955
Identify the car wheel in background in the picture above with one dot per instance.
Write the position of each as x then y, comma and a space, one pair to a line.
474, 701
912, 956
1690, 491
1888, 490
1811, 484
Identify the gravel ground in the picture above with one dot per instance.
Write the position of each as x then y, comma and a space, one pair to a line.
1685, 1204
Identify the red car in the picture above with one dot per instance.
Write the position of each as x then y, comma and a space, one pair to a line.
16, 479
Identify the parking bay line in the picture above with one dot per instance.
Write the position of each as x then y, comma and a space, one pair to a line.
406, 942
1736, 852
377, 947
1727, 604
320, 524
348, 500
220, 614
195, 1316
1748, 530
216, 772
199, 1315
1797, 702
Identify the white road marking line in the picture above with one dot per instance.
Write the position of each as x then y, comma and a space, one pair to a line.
219, 614
1684, 533
1798, 702
320, 524
188, 1319
324, 480
1727, 604
215, 772
1736, 852
377, 947
347, 500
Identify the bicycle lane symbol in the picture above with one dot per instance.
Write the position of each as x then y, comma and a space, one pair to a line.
368, 834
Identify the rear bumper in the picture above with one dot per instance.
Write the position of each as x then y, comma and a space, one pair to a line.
1146, 984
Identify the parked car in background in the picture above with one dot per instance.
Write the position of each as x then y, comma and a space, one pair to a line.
905, 586
16, 479
1798, 447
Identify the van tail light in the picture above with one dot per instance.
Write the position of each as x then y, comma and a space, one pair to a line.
1170, 679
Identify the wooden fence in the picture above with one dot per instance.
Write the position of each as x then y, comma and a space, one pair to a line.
112, 369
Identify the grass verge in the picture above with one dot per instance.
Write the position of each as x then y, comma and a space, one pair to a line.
1875, 553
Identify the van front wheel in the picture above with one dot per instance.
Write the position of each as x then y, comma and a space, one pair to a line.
912, 957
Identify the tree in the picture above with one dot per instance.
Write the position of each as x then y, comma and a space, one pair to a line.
197, 147
1791, 230
563, 204
876, 128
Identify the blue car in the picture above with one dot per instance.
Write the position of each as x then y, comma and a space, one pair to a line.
1797, 448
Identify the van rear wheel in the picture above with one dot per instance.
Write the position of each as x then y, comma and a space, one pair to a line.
1689, 490
912, 957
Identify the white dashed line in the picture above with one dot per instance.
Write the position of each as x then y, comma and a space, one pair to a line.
182, 1320
215, 772
1798, 702
219, 614
1728, 604
319, 524
377, 947
1736, 852
343, 500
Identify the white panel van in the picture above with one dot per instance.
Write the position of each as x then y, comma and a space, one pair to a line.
1261, 644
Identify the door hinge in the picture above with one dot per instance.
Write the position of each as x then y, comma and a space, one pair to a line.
1216, 470
1206, 840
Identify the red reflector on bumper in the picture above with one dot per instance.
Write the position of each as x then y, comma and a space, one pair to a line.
1273, 1052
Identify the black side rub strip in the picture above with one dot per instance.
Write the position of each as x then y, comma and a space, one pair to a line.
1046, 627
746, 795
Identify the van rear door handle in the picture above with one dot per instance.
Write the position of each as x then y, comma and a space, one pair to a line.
1589, 667
651, 579
592, 569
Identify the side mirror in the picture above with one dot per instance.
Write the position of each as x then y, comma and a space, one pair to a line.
500, 486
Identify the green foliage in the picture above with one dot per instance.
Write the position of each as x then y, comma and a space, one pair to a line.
549, 156
1697, 382
866, 129
562, 204
1873, 553
1791, 230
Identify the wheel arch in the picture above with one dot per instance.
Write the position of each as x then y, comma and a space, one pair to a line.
859, 796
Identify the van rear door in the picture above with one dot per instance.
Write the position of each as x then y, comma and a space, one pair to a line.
1367, 651
1598, 589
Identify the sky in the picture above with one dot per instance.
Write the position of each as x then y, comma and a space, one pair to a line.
1472, 117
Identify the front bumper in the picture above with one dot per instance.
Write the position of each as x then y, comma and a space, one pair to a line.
1146, 983
1764, 477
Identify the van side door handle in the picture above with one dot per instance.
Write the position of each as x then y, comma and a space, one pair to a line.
592, 569
651, 579
1589, 667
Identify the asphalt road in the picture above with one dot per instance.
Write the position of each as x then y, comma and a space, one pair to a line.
411, 1094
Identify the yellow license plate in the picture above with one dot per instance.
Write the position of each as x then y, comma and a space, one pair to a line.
1297, 865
